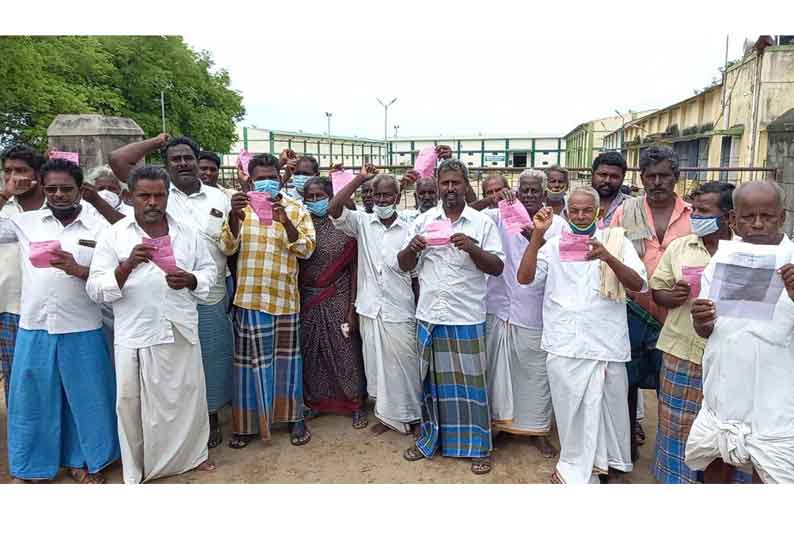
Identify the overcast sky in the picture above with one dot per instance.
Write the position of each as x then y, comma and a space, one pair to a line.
543, 87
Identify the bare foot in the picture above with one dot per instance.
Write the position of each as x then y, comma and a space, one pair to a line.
207, 466
82, 476
543, 444
379, 428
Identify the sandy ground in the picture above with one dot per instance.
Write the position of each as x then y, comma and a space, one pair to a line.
339, 454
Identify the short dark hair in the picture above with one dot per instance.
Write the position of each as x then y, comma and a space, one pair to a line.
263, 160
656, 154
25, 153
312, 160
610, 158
211, 156
149, 173
62, 166
559, 169
453, 164
725, 191
182, 140
322, 182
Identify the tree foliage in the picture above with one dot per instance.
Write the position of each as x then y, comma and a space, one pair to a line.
43, 76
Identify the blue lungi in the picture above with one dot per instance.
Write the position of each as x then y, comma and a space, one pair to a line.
9, 324
217, 350
62, 409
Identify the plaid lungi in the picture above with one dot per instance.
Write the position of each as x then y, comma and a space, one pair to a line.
268, 372
9, 324
455, 413
680, 397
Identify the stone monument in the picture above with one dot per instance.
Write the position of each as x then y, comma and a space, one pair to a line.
94, 137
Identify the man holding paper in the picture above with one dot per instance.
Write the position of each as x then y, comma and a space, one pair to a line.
675, 285
270, 231
453, 248
153, 269
518, 386
746, 311
60, 409
586, 274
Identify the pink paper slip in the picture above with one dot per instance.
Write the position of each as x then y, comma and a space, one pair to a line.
437, 233
340, 179
425, 163
63, 155
574, 248
243, 160
41, 252
514, 215
262, 206
163, 255
692, 276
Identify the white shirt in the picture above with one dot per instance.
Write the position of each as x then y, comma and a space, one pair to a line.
409, 215
451, 288
507, 299
53, 301
194, 210
146, 309
578, 322
11, 269
382, 288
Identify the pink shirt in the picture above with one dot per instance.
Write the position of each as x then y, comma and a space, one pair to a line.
679, 226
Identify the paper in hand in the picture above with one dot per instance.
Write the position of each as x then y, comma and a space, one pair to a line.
41, 253
244, 159
425, 163
63, 155
163, 253
262, 206
692, 276
514, 215
437, 233
340, 179
573, 247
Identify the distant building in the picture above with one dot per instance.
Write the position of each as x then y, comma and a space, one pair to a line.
588, 140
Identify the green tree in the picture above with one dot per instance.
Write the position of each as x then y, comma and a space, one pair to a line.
41, 77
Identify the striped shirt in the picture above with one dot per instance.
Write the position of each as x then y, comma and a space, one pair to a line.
267, 268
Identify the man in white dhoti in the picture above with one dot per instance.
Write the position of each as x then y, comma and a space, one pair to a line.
586, 274
518, 386
747, 416
153, 270
385, 302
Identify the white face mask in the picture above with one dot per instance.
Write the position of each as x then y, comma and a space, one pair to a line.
384, 212
111, 197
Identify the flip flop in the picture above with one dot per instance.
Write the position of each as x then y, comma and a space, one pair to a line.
413, 454
216, 437
481, 465
299, 439
360, 420
84, 477
240, 441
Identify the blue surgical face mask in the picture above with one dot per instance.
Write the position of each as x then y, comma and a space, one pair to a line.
384, 211
318, 207
299, 181
271, 186
704, 225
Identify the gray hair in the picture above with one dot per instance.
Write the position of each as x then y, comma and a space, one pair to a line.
658, 153
534, 174
102, 172
453, 164
781, 195
558, 169
385, 177
589, 190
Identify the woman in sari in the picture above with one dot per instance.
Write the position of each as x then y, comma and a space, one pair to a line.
333, 369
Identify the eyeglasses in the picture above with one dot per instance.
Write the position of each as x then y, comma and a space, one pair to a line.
52, 190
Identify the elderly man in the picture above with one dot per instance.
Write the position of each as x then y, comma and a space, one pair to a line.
651, 224
110, 189
60, 410
425, 198
268, 368
203, 208
586, 275
153, 269
518, 386
558, 185
21, 164
385, 303
747, 417
608, 172
453, 249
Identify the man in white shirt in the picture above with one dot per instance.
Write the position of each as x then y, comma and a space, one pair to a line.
22, 163
384, 303
747, 416
586, 274
518, 386
204, 209
60, 410
451, 320
425, 198
162, 403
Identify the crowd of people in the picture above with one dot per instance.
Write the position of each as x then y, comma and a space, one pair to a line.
139, 301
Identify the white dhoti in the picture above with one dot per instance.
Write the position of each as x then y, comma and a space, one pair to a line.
497, 370
162, 409
518, 348
392, 366
590, 401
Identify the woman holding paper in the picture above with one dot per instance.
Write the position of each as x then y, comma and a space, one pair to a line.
585, 334
674, 285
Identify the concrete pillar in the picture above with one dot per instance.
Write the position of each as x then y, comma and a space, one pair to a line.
94, 137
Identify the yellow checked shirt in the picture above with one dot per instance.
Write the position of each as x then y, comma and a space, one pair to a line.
267, 268
678, 336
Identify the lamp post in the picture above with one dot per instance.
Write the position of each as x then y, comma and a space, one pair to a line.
622, 130
328, 116
396, 127
162, 108
386, 128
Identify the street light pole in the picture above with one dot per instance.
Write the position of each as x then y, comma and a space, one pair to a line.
396, 127
386, 128
162, 108
328, 115
622, 130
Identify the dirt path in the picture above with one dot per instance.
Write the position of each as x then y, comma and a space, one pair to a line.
338, 453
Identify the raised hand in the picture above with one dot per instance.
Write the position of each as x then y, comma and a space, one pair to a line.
543, 219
